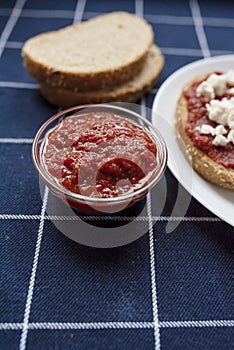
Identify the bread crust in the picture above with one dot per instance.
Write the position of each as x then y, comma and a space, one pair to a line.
201, 163
130, 91
48, 72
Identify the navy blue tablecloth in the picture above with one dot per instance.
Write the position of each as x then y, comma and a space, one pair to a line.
164, 291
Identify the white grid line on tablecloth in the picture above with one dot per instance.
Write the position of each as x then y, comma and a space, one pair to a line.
16, 11
24, 333
14, 45
115, 325
151, 250
36, 13
188, 21
16, 140
139, 8
106, 218
178, 51
199, 28
153, 277
18, 85
79, 11
158, 19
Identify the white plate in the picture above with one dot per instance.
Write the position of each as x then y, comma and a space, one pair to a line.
217, 200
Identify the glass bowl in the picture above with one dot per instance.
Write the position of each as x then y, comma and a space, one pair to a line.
98, 205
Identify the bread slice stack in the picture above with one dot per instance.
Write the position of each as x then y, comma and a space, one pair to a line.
108, 58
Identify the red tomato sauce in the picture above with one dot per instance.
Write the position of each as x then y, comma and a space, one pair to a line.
99, 155
198, 115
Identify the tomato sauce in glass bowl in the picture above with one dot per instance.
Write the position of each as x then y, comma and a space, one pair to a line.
99, 159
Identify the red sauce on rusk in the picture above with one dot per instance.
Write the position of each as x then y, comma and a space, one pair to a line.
197, 116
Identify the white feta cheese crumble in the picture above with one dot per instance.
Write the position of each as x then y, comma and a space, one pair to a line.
220, 140
230, 136
204, 89
215, 84
220, 130
207, 129
231, 91
230, 77
218, 83
230, 121
222, 111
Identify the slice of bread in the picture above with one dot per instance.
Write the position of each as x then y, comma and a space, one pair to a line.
128, 92
95, 54
204, 165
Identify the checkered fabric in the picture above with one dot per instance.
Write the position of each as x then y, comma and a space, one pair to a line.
169, 291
